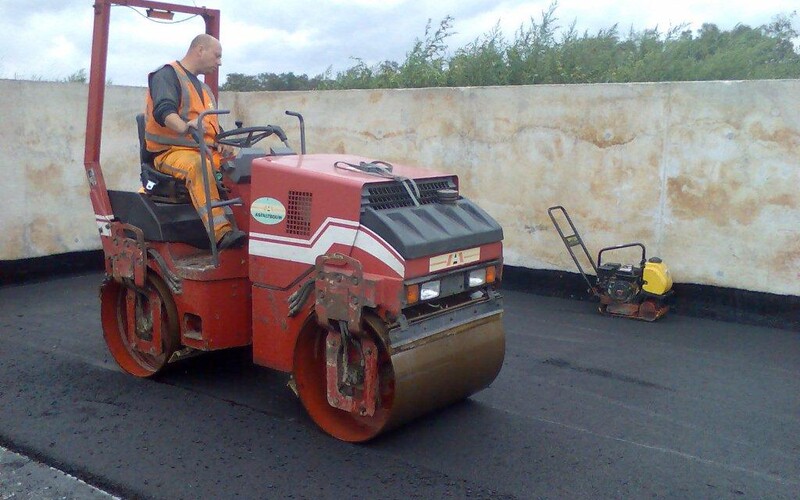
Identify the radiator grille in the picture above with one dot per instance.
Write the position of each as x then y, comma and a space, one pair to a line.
298, 213
386, 195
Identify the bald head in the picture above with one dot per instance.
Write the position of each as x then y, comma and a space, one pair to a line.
204, 55
203, 40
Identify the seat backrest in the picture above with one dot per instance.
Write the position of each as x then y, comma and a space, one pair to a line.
145, 156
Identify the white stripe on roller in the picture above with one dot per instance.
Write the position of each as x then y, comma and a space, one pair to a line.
329, 234
329, 221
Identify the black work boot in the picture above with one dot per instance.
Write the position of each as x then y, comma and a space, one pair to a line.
232, 239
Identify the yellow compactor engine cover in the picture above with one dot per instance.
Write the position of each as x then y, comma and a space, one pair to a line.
657, 279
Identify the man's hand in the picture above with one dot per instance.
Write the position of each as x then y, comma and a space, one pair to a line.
176, 123
191, 124
228, 152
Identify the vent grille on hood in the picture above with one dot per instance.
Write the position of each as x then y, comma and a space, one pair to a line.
298, 214
393, 194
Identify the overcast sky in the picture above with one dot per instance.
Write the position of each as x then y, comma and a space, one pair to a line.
52, 39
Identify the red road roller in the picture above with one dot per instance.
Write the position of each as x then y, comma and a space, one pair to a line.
374, 285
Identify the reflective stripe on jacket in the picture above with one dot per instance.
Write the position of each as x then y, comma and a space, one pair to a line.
160, 138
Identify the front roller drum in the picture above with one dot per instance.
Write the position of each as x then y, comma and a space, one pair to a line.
386, 390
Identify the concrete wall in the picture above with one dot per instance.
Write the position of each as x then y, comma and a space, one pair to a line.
706, 174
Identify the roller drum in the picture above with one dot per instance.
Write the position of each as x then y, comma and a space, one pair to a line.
447, 369
417, 375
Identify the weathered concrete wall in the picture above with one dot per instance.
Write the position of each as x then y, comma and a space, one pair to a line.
705, 174
46, 207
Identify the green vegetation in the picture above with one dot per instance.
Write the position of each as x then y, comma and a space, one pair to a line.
542, 53
76, 77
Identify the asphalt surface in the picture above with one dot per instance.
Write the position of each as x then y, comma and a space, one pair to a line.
586, 406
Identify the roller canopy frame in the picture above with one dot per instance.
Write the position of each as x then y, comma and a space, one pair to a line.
97, 79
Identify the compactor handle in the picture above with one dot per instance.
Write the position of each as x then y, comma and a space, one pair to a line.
572, 240
617, 247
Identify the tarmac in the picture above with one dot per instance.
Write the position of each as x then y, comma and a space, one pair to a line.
586, 406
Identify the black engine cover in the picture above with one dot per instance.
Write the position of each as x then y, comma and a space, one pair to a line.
620, 283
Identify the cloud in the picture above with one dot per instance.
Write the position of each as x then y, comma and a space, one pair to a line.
43, 44
54, 40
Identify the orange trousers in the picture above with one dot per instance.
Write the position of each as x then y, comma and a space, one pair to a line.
185, 163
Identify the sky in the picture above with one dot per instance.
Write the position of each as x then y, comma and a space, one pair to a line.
51, 39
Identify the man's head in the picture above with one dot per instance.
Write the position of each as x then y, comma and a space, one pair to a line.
204, 55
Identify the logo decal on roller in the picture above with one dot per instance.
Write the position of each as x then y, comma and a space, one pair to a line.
448, 260
268, 211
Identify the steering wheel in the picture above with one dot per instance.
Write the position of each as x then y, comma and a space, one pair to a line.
244, 137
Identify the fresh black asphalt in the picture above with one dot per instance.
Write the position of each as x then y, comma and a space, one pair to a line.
586, 406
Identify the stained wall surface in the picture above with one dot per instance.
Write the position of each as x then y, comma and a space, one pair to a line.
705, 174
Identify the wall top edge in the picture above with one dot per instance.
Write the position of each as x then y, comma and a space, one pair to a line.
786, 81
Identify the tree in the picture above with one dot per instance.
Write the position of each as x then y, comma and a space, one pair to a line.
537, 54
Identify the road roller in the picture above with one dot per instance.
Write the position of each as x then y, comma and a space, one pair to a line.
372, 284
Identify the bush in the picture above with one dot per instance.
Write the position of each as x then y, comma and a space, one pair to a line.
537, 55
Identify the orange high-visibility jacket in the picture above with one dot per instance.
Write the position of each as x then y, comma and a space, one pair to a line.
160, 138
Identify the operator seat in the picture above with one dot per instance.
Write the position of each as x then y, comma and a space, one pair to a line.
159, 186
164, 212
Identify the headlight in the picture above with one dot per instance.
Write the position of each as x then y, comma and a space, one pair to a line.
429, 290
476, 277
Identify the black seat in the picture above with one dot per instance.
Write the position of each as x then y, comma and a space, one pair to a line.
159, 186
172, 222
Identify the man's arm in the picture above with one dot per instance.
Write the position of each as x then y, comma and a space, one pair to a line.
165, 91
176, 123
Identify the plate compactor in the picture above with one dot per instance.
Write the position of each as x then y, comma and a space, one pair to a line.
374, 285
632, 291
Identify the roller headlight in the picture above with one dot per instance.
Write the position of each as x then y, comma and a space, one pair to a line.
476, 277
429, 290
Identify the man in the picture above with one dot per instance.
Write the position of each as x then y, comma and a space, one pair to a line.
175, 99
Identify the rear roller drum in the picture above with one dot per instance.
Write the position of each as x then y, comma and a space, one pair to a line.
140, 326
